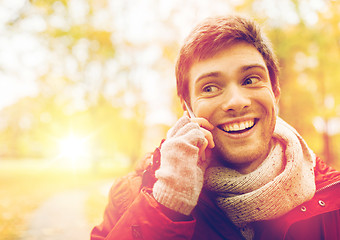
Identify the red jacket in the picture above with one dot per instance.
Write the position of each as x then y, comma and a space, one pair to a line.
132, 213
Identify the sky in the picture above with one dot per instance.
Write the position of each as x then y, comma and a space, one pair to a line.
17, 77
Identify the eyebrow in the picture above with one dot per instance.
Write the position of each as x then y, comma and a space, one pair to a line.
242, 69
247, 67
207, 75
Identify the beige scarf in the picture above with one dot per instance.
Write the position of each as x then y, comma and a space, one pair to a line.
283, 181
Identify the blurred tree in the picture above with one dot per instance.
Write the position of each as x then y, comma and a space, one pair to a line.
104, 58
73, 87
309, 55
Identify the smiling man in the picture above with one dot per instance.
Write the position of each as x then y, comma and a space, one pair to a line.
232, 90
231, 169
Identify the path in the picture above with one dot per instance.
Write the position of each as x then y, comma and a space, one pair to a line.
61, 217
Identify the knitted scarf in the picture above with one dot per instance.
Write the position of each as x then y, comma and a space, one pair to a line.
284, 180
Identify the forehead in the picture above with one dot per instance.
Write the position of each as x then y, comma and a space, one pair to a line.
229, 61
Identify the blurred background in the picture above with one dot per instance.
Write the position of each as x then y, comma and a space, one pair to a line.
87, 87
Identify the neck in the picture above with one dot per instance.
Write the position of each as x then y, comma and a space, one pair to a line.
246, 168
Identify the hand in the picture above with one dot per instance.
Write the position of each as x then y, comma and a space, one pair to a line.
206, 127
180, 176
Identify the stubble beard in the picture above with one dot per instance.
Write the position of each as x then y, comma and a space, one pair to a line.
243, 157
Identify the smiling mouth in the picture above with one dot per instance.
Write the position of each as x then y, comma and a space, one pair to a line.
238, 127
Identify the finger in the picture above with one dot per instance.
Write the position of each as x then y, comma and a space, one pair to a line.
178, 126
202, 122
202, 148
209, 137
199, 124
205, 160
206, 127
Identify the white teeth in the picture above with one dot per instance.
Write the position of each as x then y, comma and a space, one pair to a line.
238, 126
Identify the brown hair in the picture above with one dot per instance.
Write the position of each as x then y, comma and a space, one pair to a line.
215, 34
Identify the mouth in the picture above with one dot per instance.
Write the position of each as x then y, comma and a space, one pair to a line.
238, 127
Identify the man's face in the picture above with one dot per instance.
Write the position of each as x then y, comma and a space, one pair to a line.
232, 90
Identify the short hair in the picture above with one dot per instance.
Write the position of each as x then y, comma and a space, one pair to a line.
214, 35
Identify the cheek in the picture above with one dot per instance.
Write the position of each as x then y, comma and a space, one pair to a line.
267, 99
204, 108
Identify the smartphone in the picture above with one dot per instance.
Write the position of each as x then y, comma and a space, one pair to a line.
191, 113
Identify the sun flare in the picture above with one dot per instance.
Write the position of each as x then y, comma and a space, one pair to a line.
73, 147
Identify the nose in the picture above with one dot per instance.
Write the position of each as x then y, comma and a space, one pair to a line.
235, 99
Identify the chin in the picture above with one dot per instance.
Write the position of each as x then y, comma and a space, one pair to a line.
242, 158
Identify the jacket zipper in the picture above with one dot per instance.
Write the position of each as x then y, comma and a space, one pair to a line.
327, 186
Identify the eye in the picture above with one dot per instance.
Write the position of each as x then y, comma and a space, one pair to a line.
251, 80
210, 89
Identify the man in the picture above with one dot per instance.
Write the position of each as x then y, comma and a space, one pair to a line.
233, 169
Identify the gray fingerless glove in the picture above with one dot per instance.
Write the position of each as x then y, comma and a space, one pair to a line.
180, 176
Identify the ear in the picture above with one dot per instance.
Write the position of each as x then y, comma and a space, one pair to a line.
277, 94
